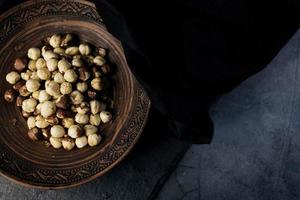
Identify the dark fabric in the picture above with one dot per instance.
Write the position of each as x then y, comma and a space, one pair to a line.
188, 52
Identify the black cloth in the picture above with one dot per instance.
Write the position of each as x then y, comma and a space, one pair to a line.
186, 53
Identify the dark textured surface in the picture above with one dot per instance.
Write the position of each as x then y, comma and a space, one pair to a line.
255, 154
135, 178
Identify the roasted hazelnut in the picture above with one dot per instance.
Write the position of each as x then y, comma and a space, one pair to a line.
52, 64
26, 75
77, 62
52, 120
96, 106
41, 122
59, 51
44, 96
67, 122
18, 85
102, 52
60, 113
48, 108
19, 101
55, 40
95, 119
57, 131
12, 77
76, 97
59, 78
52, 88
105, 116
20, 64
82, 87
90, 129
81, 118
72, 51
63, 102
70, 76
94, 139
29, 105
98, 60
81, 142
36, 94
83, 74
63, 65
43, 74
97, 84
66, 88
31, 122
66, 40
40, 63
56, 142
92, 94
32, 85
83, 108
84, 49
74, 131
25, 114
68, 144
46, 133
34, 134
49, 55
34, 53
23, 91
10, 95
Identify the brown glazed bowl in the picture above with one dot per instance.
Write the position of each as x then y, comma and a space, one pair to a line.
31, 163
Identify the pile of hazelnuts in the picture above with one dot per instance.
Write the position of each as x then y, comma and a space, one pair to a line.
62, 89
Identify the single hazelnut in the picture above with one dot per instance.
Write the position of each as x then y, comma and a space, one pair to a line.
102, 52
63, 102
34, 134
52, 88
81, 142
44, 96
66, 88
66, 40
20, 64
49, 55
70, 76
63, 65
94, 139
10, 95
46, 48
56, 142
25, 114
77, 62
31, 122
57, 131
59, 51
83, 108
29, 105
41, 122
90, 129
40, 63
97, 84
18, 85
48, 108
82, 87
55, 40
43, 74
52, 64
95, 119
19, 101
98, 60
26, 75
105, 116
52, 120
67, 122
81, 118
68, 144
84, 49
59, 78
96, 106
76, 97
34, 53
36, 94
12, 77
83, 74
72, 51
75, 131
32, 85
23, 91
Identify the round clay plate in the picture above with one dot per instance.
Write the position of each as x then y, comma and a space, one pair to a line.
31, 163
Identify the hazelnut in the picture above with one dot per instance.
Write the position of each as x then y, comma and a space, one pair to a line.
63, 101
49, 55
46, 48
74, 131
19, 101
90, 129
34, 134
34, 76
70, 76
77, 62
81, 142
36, 95
55, 40
55, 142
46, 133
83, 108
72, 51
43, 74
48, 108
41, 122
83, 74
98, 60
102, 52
31, 122
29, 105
57, 131
18, 85
66, 40
20, 64
85, 49
92, 94
63, 65
23, 91
59, 78
60, 113
81, 118
97, 84
25, 114
96, 106
52, 88
52, 120
32, 85
76, 97
82, 87
44, 96
66, 88
32, 65
94, 139
40, 63
10, 95
67, 122
95, 120
68, 144
26, 75
34, 53
105, 116
59, 51
52, 64
12, 77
